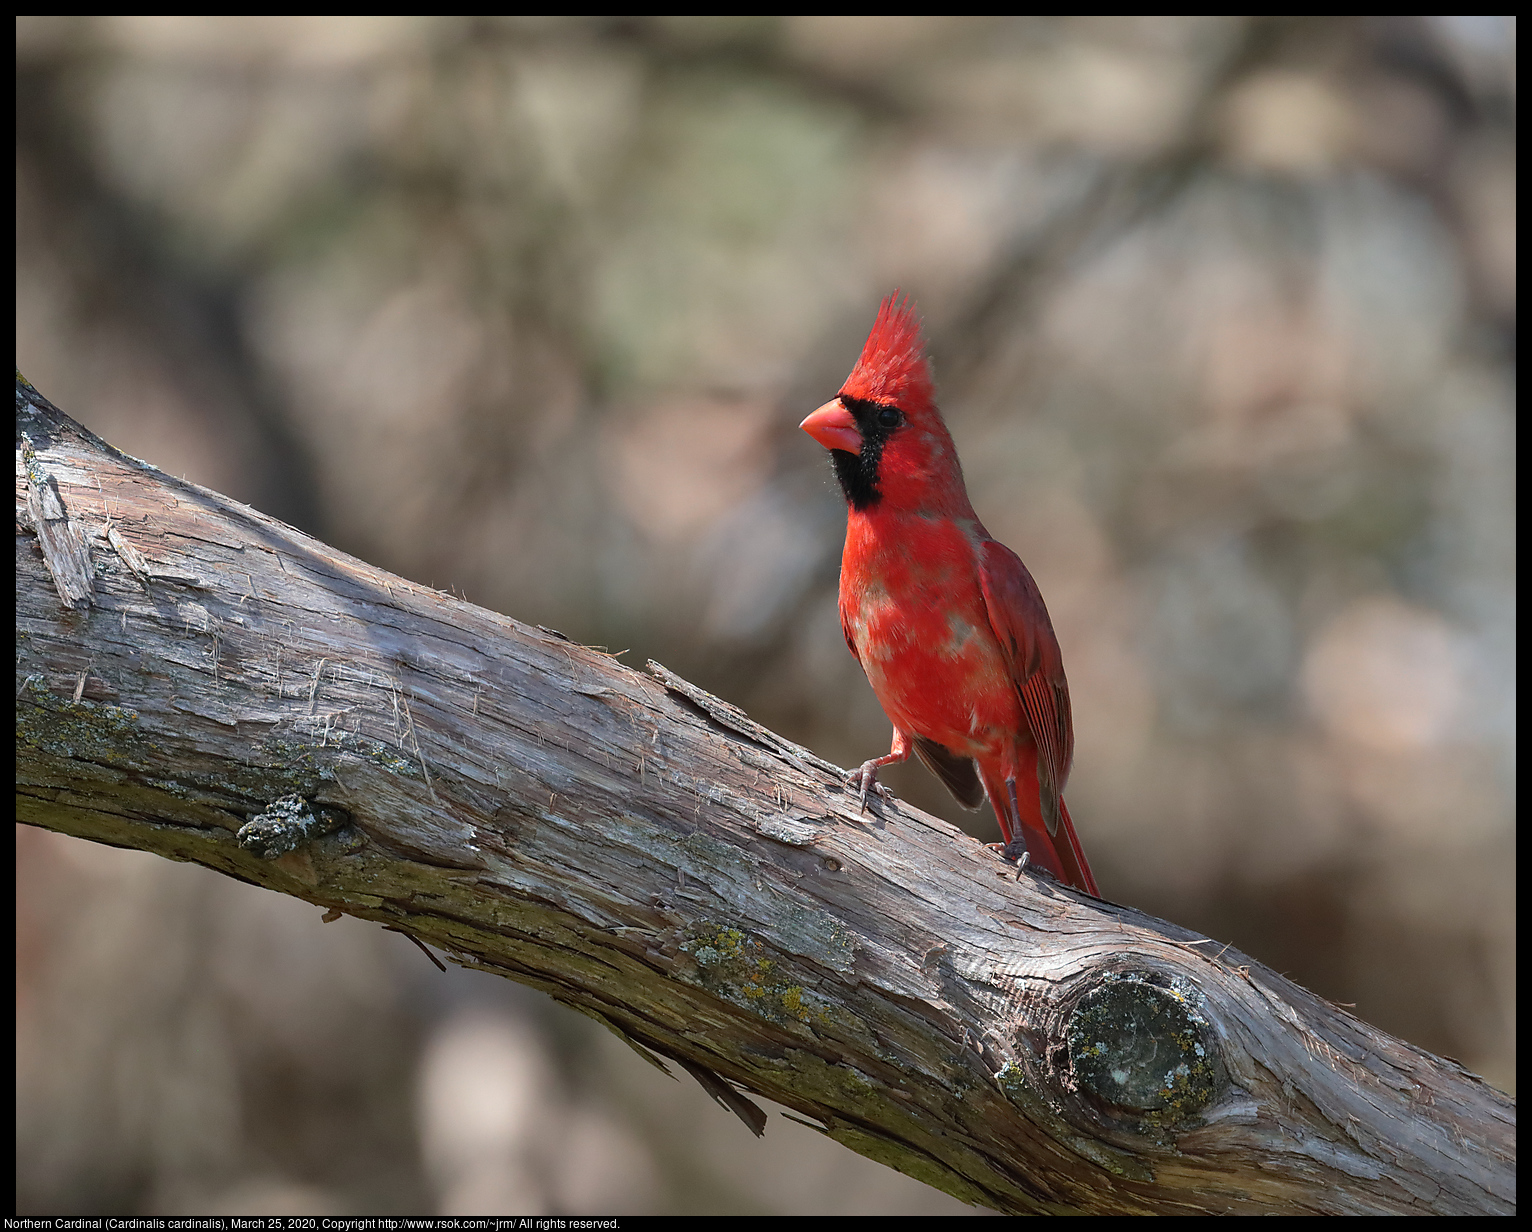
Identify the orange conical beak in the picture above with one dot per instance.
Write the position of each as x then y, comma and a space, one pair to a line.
833, 427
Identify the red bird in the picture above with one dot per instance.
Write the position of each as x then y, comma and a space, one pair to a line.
947, 623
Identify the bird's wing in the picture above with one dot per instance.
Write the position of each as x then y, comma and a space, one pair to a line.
1021, 625
957, 774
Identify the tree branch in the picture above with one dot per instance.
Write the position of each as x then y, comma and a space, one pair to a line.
198, 680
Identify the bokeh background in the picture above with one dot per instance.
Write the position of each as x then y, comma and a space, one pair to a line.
1222, 312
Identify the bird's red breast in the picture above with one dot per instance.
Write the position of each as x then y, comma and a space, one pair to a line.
947, 623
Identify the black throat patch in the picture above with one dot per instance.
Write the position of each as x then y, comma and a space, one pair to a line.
858, 472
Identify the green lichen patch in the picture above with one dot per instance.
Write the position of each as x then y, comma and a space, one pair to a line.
1013, 1081
286, 824
78, 730
733, 965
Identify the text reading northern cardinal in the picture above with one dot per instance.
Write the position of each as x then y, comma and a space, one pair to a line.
947, 623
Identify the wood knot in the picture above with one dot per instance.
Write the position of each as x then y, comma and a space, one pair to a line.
1138, 1043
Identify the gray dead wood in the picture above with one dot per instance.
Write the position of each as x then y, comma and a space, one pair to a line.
201, 681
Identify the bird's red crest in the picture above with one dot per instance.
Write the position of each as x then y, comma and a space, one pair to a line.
893, 364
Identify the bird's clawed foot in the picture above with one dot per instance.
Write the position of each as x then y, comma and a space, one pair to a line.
1016, 850
865, 779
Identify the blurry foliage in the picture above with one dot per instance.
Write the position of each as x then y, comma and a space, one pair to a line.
1222, 312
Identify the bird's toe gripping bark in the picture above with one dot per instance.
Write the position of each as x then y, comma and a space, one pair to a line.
865, 779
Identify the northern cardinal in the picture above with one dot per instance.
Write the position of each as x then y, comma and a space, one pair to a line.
947, 623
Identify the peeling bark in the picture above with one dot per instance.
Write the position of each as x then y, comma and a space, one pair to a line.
201, 681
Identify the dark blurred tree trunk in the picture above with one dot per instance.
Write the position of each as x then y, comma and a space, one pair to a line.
201, 681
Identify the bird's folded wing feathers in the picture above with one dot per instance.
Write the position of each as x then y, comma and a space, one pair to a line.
1020, 621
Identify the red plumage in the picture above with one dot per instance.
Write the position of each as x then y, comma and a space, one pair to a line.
947, 623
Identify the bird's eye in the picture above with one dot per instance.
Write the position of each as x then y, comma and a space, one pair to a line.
889, 417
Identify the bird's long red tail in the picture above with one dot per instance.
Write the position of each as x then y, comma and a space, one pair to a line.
1072, 855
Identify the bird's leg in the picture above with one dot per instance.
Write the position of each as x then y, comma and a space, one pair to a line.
865, 777
1015, 847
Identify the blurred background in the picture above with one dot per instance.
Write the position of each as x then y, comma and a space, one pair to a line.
1222, 313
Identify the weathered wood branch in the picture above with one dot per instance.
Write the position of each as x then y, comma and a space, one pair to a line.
201, 681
